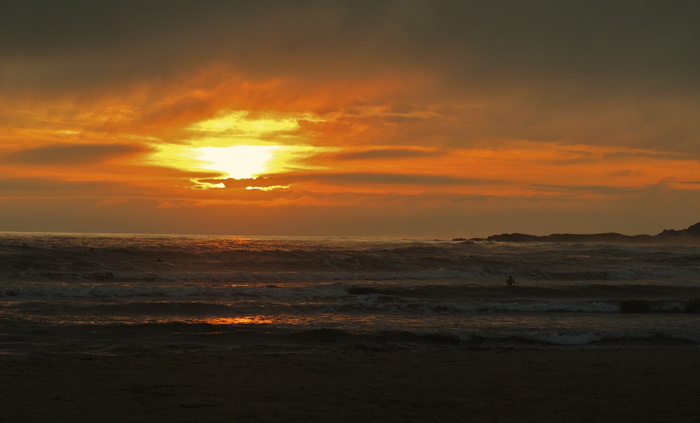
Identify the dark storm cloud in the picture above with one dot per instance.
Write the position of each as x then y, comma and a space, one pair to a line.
580, 38
621, 72
71, 154
639, 41
77, 43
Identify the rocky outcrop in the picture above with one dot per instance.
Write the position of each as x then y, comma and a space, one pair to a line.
689, 235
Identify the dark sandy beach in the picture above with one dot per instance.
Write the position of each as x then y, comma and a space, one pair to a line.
648, 385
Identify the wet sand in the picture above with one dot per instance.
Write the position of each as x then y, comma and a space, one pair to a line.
650, 385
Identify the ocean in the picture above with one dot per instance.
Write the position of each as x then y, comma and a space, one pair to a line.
95, 294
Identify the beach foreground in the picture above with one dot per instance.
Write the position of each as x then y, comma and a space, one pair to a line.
644, 385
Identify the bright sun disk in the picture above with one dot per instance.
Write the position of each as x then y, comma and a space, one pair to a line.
238, 162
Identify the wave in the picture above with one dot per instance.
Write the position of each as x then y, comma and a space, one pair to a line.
212, 259
398, 304
39, 290
408, 341
340, 298
411, 305
687, 276
174, 338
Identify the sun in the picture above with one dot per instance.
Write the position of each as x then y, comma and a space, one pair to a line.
238, 161
236, 145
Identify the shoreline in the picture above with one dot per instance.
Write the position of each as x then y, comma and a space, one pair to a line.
655, 384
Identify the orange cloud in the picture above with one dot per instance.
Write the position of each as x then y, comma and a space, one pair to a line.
386, 141
380, 145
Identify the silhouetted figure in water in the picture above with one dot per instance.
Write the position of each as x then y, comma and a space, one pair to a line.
510, 281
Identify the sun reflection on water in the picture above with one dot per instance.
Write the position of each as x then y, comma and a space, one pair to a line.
240, 320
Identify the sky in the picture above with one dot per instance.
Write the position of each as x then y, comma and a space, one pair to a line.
349, 118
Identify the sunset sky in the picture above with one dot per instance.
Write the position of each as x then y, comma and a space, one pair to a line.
357, 118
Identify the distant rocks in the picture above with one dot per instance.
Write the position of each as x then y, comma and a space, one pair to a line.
690, 235
693, 231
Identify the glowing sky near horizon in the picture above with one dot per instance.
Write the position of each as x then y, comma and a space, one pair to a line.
399, 118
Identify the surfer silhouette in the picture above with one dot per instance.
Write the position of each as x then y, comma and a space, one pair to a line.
510, 281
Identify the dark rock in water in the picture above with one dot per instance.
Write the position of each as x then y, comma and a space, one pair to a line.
694, 230
691, 231
693, 307
689, 235
604, 237
516, 237
635, 306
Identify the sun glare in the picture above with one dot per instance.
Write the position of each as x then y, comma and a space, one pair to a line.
236, 145
239, 161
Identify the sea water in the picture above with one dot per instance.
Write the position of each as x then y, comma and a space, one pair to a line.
79, 294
